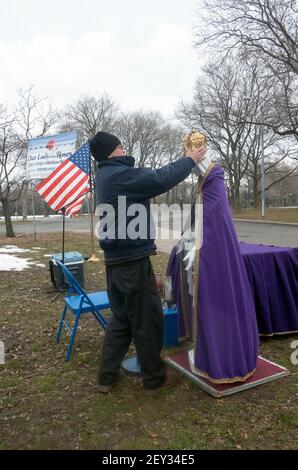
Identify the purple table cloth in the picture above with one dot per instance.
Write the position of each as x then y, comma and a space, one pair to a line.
273, 277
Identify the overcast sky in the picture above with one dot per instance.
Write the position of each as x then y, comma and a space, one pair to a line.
138, 51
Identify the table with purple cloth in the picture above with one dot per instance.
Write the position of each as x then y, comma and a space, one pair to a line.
273, 277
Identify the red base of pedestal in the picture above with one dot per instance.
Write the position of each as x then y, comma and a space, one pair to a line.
266, 371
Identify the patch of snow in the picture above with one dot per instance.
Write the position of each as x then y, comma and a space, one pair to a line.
20, 217
47, 256
30, 217
13, 249
12, 263
8, 262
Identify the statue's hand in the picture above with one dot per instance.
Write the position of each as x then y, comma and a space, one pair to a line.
189, 258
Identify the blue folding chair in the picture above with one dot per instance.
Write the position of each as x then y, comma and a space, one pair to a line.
79, 304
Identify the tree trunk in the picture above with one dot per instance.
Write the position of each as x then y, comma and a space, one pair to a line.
256, 196
256, 184
234, 198
46, 210
7, 216
237, 203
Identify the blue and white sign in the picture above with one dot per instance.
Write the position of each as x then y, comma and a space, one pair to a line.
46, 153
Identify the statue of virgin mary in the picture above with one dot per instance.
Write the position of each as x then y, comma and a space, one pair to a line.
211, 289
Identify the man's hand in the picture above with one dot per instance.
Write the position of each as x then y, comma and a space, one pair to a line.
197, 155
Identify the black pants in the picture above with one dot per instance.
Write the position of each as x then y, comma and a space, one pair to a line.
136, 314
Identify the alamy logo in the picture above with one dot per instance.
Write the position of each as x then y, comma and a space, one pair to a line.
165, 222
2, 352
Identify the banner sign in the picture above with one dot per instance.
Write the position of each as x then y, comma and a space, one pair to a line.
46, 153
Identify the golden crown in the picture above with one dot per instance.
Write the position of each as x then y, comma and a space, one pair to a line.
194, 140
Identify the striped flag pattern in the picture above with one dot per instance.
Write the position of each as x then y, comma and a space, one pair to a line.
68, 184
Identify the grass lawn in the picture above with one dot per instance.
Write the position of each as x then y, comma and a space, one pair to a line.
271, 214
46, 403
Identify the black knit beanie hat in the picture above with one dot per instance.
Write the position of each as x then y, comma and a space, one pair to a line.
103, 144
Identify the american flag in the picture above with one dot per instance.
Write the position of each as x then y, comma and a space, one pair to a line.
70, 180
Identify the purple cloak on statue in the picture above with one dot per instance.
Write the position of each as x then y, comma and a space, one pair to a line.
222, 323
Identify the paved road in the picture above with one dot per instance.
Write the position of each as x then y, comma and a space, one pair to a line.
269, 234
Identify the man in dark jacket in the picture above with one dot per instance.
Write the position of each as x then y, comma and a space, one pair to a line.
134, 299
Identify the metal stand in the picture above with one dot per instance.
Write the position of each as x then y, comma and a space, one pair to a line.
63, 233
33, 213
63, 210
62, 290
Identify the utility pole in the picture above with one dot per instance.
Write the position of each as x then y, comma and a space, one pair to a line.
263, 172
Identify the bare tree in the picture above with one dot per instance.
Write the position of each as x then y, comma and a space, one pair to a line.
128, 129
89, 115
267, 29
283, 117
169, 146
167, 150
285, 190
34, 117
229, 101
277, 152
150, 139
142, 134
11, 164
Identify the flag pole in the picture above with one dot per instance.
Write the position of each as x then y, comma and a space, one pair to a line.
63, 209
93, 258
33, 212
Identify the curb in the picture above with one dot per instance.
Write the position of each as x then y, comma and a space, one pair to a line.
266, 222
